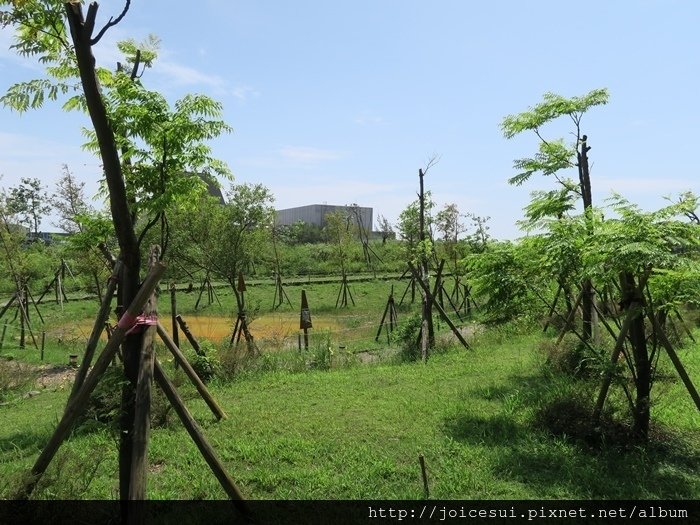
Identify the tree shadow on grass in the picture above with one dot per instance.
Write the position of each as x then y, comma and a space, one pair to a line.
23, 444
562, 456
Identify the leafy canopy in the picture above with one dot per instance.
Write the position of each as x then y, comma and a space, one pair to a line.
553, 155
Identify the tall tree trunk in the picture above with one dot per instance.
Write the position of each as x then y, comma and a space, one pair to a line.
585, 183
427, 299
640, 354
81, 29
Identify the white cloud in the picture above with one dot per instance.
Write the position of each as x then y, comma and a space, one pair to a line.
307, 155
185, 75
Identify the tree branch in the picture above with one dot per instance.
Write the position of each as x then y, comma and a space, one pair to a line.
112, 22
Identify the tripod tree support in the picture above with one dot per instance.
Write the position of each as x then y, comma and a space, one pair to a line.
389, 310
76, 406
440, 310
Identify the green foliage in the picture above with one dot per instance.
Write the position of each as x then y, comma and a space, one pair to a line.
206, 366
341, 231
502, 275
29, 202
321, 357
162, 148
15, 377
406, 336
552, 107
546, 206
301, 233
69, 202
40, 32
553, 155
224, 239
638, 240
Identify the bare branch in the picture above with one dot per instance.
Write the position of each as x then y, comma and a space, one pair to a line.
537, 132
112, 22
431, 162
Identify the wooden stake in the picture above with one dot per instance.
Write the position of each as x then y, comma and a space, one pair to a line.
635, 310
426, 490
197, 436
305, 319
173, 314
97, 328
186, 330
676, 361
449, 322
187, 367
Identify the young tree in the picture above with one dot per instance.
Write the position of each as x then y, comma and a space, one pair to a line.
635, 248
554, 156
29, 202
134, 133
448, 221
385, 228
224, 239
69, 202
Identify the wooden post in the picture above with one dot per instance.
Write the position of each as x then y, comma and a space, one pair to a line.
190, 372
676, 361
569, 318
390, 310
4, 330
173, 314
552, 308
633, 312
449, 322
76, 406
424, 474
305, 319
8, 304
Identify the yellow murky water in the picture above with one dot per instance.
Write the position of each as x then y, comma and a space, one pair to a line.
274, 326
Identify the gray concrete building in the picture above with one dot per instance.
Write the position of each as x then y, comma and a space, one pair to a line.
316, 214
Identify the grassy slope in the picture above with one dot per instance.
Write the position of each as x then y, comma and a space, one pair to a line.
357, 433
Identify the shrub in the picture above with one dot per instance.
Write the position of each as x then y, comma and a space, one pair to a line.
206, 366
406, 337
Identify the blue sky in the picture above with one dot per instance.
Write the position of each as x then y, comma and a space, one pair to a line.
342, 102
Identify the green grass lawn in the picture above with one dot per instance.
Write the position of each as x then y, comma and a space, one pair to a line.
357, 431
